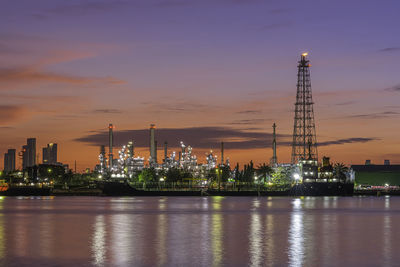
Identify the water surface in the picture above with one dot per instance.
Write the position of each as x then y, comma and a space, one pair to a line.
200, 231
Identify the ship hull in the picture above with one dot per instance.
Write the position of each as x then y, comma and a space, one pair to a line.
26, 191
124, 189
322, 189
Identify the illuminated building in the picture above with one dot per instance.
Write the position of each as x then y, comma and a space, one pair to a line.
50, 154
103, 160
9, 161
29, 153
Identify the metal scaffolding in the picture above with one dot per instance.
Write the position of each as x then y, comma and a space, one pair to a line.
304, 144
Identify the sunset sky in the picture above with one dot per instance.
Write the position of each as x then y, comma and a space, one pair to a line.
203, 71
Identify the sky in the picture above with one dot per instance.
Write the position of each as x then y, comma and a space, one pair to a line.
203, 71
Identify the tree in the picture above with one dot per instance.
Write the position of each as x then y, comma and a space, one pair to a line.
282, 176
147, 176
263, 170
339, 171
173, 175
248, 173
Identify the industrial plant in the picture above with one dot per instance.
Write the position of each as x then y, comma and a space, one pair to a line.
121, 171
126, 164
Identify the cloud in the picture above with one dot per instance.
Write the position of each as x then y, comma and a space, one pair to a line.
33, 74
8, 49
377, 115
197, 137
86, 8
395, 88
11, 113
204, 138
275, 26
107, 111
347, 141
178, 106
248, 122
249, 112
389, 49
346, 103
173, 3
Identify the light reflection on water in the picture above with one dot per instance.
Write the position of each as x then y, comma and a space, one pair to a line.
99, 241
199, 231
296, 235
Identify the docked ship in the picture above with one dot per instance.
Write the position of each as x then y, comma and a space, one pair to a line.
312, 180
20, 189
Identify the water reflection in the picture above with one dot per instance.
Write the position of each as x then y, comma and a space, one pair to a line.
387, 234
203, 231
99, 241
216, 232
162, 231
296, 235
269, 237
2, 231
255, 238
122, 241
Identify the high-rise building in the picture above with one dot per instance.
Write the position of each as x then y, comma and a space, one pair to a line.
9, 160
50, 154
29, 153
5, 162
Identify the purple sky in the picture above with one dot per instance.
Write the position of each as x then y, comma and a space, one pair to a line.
68, 68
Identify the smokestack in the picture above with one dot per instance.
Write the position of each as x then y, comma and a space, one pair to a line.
165, 150
153, 143
222, 153
274, 160
110, 146
155, 151
131, 149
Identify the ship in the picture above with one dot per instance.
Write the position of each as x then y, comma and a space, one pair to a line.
312, 180
22, 189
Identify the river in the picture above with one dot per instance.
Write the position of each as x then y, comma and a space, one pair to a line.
199, 231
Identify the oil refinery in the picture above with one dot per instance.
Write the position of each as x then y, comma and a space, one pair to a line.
303, 176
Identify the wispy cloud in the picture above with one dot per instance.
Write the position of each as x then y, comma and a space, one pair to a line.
346, 103
197, 137
274, 26
33, 74
176, 106
86, 7
395, 88
376, 115
248, 122
174, 3
389, 49
11, 113
347, 141
8, 49
107, 111
204, 138
250, 111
